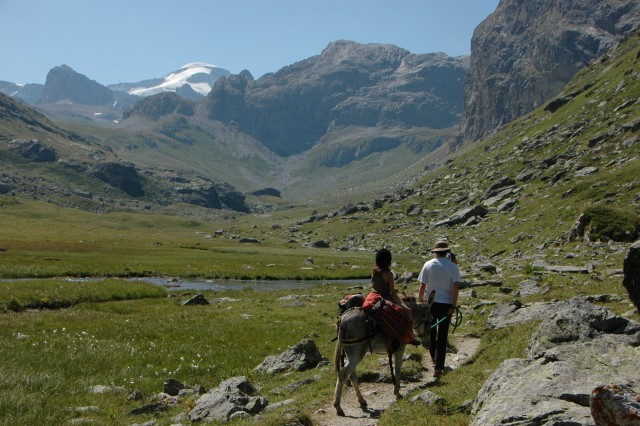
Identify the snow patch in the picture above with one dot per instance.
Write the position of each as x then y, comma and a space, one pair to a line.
172, 81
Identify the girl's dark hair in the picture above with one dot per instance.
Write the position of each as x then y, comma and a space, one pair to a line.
383, 259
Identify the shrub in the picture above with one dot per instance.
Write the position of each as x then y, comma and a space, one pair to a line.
611, 223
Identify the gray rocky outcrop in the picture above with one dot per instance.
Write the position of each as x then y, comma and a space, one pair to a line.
302, 356
463, 215
577, 347
233, 398
525, 53
36, 151
631, 279
196, 300
120, 175
347, 84
213, 196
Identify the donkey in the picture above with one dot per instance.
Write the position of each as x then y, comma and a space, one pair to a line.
355, 339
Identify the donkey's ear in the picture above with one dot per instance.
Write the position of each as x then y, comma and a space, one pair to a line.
432, 296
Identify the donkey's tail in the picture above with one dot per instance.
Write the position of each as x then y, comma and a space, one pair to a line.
337, 356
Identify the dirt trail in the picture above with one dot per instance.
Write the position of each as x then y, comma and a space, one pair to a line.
380, 396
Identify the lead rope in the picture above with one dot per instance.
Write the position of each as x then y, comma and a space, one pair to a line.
456, 322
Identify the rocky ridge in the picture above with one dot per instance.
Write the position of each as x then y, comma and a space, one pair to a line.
347, 84
524, 54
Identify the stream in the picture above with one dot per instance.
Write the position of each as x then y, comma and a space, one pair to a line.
201, 284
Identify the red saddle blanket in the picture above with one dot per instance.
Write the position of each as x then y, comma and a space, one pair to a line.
395, 321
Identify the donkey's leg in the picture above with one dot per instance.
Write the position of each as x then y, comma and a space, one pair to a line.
343, 375
358, 354
348, 372
356, 387
337, 396
397, 368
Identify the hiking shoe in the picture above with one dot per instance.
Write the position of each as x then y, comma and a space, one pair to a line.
437, 373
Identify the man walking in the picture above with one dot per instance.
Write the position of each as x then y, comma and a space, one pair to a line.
442, 276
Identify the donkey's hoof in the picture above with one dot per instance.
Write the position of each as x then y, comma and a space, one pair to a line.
363, 404
339, 412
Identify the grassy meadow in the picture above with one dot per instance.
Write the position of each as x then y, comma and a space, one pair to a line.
60, 337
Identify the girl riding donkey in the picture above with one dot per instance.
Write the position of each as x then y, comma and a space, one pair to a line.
396, 319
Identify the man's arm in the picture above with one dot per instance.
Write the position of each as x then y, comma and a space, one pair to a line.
454, 297
423, 286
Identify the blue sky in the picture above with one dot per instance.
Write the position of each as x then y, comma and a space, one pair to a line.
114, 41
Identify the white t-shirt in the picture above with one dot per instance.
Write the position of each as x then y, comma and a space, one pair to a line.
439, 273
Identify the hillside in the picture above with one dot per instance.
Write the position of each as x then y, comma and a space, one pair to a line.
525, 187
46, 162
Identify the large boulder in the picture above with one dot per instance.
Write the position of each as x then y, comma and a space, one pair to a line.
615, 405
302, 356
120, 175
37, 151
631, 279
577, 346
233, 398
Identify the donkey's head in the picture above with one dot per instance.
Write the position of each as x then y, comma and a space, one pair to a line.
422, 318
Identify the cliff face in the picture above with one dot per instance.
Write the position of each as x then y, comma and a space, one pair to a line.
527, 51
347, 84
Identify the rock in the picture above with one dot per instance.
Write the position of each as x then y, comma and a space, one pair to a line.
487, 267
5, 188
249, 240
120, 175
198, 299
498, 187
563, 268
267, 191
576, 345
507, 314
463, 215
577, 231
231, 396
575, 320
172, 387
586, 171
37, 151
102, 389
302, 356
428, 398
615, 405
320, 244
156, 407
213, 196
407, 277
279, 404
631, 280
531, 287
